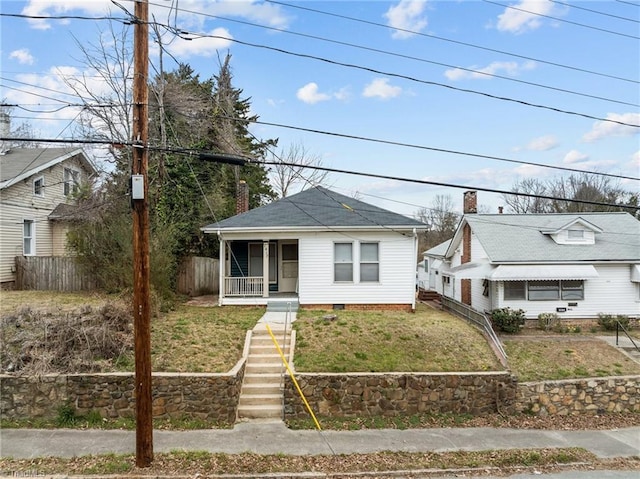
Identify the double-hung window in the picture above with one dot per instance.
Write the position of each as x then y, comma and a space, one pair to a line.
343, 262
71, 181
28, 238
369, 263
514, 290
38, 186
543, 290
572, 289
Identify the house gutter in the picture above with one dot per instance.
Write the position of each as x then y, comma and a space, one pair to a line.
415, 256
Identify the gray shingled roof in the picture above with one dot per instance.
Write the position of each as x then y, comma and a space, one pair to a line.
21, 161
519, 238
316, 207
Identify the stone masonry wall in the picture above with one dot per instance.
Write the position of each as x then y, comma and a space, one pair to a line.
580, 396
175, 395
371, 394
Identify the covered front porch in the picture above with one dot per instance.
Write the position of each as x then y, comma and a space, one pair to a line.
255, 271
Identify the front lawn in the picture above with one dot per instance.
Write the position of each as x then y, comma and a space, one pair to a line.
560, 357
389, 341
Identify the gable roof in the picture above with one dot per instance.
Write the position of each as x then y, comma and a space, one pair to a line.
438, 250
20, 163
522, 238
315, 208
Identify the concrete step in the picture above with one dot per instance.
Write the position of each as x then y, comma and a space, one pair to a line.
282, 306
260, 400
260, 412
261, 368
261, 388
262, 378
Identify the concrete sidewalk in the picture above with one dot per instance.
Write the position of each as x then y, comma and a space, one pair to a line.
275, 438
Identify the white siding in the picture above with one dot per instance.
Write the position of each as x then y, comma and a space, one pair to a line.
18, 203
611, 293
397, 270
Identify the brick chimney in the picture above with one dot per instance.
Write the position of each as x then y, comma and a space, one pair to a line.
242, 197
470, 203
470, 206
500, 210
5, 131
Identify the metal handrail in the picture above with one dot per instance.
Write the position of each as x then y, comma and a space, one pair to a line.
478, 320
618, 326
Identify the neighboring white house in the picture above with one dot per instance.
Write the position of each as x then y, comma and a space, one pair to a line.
432, 265
37, 187
319, 249
575, 265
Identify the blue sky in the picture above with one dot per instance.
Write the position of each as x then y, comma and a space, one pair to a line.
407, 91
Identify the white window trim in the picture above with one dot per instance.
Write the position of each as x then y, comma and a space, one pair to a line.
32, 238
35, 180
361, 262
353, 262
70, 185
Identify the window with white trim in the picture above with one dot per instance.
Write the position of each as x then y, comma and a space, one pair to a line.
343, 262
575, 234
572, 289
28, 238
514, 290
38, 186
71, 180
543, 290
369, 263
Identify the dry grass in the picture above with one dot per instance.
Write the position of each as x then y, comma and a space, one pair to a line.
187, 339
363, 341
12, 301
201, 339
182, 463
562, 357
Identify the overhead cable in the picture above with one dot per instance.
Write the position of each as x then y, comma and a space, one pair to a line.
458, 42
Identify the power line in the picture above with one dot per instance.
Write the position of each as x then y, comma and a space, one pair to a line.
441, 150
562, 20
400, 55
436, 37
61, 17
343, 171
181, 33
571, 5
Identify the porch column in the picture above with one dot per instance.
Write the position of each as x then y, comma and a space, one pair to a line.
222, 270
265, 269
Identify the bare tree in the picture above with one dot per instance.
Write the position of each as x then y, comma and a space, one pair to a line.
528, 204
565, 193
441, 220
297, 174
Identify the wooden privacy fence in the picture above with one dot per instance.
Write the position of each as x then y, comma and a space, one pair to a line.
199, 276
51, 273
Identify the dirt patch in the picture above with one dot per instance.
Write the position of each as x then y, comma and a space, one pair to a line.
209, 300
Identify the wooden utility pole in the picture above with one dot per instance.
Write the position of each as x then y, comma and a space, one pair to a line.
140, 202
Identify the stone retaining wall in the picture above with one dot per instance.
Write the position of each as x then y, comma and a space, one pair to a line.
373, 394
580, 396
175, 395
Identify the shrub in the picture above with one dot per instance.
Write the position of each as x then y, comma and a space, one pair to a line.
547, 321
508, 320
608, 321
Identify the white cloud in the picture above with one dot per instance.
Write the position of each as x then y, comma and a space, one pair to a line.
380, 88
605, 129
61, 7
543, 143
519, 21
574, 156
201, 46
310, 94
494, 68
407, 15
23, 56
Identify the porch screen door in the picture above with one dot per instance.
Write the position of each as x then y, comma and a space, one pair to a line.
289, 267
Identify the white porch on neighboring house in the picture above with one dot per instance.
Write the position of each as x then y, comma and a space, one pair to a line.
257, 271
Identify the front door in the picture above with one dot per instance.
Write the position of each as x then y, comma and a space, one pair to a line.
288, 280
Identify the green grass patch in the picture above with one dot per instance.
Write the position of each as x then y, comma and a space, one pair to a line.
389, 341
536, 359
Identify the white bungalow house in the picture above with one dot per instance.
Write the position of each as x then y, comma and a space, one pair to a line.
575, 265
37, 187
319, 249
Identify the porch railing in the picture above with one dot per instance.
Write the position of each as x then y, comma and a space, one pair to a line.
243, 286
